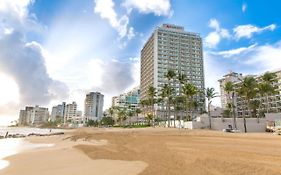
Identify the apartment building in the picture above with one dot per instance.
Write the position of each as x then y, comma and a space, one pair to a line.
171, 47
129, 99
93, 106
230, 77
58, 112
33, 115
274, 101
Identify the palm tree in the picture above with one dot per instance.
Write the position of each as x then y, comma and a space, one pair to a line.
130, 114
229, 89
266, 87
255, 104
176, 102
149, 117
144, 104
170, 76
111, 111
182, 80
151, 98
162, 98
210, 94
137, 111
189, 90
247, 90
121, 114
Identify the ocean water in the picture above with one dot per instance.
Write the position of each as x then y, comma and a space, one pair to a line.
12, 146
26, 131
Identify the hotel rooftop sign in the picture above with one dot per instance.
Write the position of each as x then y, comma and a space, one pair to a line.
171, 26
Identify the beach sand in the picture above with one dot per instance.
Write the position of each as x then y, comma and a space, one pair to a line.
151, 151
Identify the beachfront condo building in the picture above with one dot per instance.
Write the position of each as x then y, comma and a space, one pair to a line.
230, 77
58, 112
93, 106
171, 47
34, 116
274, 101
71, 114
130, 99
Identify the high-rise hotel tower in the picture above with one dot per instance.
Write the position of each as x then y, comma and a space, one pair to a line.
170, 47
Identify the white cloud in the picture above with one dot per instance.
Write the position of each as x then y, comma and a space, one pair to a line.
105, 8
244, 7
213, 74
9, 90
25, 62
266, 57
213, 38
213, 23
16, 8
158, 7
254, 58
114, 77
233, 52
247, 31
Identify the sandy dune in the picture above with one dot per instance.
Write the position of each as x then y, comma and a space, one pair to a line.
152, 151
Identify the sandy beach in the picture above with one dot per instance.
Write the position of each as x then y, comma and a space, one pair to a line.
150, 151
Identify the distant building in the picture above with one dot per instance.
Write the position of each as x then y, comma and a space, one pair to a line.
170, 47
239, 103
58, 112
33, 116
129, 99
93, 106
230, 77
72, 115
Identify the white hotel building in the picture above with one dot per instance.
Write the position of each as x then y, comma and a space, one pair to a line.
171, 47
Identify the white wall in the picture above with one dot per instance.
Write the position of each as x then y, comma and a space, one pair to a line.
219, 124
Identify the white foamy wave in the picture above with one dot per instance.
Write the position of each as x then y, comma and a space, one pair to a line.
12, 146
26, 131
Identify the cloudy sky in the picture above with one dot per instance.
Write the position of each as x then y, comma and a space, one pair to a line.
58, 50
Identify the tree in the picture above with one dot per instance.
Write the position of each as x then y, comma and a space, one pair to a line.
149, 117
137, 112
130, 113
189, 91
170, 76
167, 97
163, 95
107, 121
229, 89
111, 111
210, 94
151, 98
121, 114
247, 89
177, 101
144, 104
182, 80
255, 104
267, 87
92, 123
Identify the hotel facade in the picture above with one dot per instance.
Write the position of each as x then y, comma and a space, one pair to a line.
170, 47
274, 101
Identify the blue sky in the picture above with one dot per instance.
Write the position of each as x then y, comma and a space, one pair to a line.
63, 49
